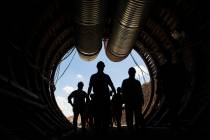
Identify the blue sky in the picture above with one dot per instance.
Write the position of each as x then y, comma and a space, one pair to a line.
81, 70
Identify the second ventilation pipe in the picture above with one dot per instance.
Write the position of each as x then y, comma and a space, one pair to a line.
125, 29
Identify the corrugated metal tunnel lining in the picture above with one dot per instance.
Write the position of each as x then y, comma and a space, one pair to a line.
35, 44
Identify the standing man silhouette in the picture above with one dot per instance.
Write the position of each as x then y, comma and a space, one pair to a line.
173, 86
100, 83
117, 103
78, 104
134, 99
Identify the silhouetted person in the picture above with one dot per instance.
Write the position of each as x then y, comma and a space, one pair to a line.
100, 83
79, 98
110, 109
90, 111
117, 103
133, 98
173, 81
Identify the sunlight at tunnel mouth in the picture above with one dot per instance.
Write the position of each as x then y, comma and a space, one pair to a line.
74, 69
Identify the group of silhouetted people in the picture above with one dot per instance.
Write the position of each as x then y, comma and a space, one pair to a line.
99, 110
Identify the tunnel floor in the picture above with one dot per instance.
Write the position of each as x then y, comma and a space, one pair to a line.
149, 132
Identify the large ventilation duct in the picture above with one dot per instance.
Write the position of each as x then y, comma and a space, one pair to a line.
89, 19
125, 29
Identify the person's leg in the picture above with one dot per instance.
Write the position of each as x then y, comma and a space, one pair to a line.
83, 119
97, 118
115, 118
105, 114
76, 114
118, 117
129, 117
142, 122
137, 115
175, 120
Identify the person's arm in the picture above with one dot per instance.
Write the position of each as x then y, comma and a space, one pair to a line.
141, 91
70, 98
90, 87
123, 91
111, 85
87, 97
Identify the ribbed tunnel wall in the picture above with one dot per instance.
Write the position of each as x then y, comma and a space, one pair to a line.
36, 38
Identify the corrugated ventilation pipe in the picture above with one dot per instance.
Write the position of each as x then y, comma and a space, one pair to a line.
126, 28
89, 24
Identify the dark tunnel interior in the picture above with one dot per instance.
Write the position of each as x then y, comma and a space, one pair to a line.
37, 34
